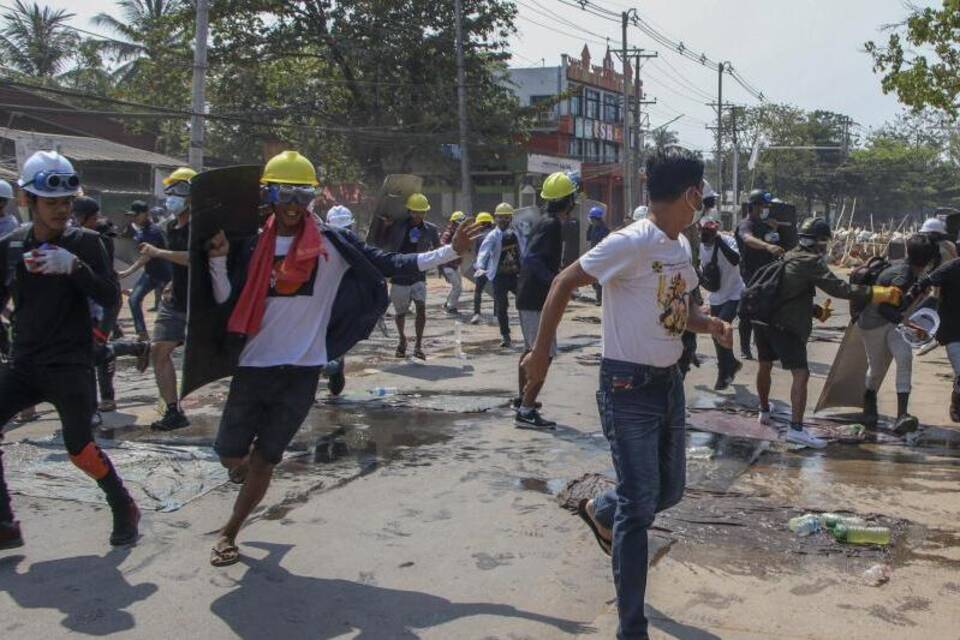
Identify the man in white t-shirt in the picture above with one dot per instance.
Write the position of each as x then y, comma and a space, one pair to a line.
304, 293
719, 263
647, 278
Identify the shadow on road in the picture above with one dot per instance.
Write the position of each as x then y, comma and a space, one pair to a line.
90, 591
678, 630
271, 602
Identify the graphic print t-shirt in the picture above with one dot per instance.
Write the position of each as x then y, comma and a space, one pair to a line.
509, 253
294, 328
409, 245
647, 279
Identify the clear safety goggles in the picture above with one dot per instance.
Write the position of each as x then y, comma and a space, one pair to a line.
179, 188
287, 194
53, 181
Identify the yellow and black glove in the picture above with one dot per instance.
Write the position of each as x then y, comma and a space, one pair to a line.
823, 313
886, 295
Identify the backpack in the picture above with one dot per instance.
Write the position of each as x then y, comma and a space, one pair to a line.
711, 277
866, 275
760, 300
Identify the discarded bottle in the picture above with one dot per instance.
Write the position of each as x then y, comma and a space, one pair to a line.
383, 392
877, 575
831, 520
804, 525
861, 535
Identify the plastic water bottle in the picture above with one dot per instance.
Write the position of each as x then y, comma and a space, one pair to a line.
861, 535
383, 392
804, 525
831, 520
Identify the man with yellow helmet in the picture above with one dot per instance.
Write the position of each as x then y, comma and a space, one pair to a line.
485, 223
499, 260
451, 270
303, 293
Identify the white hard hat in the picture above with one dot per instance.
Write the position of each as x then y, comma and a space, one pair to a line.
933, 225
339, 216
926, 319
708, 191
640, 213
6, 191
48, 174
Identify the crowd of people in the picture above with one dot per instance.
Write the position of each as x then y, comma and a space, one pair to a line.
306, 289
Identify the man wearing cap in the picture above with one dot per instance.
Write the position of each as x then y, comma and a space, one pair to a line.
719, 261
936, 230
486, 224
7, 222
156, 273
757, 240
499, 260
451, 271
413, 235
52, 271
596, 232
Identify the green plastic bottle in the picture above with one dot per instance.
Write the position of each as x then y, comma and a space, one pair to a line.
861, 535
830, 520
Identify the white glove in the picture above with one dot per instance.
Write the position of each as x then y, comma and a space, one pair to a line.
51, 261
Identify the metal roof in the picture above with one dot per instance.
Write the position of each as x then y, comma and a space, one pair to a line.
94, 149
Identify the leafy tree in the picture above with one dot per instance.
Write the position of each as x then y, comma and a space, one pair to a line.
36, 41
664, 137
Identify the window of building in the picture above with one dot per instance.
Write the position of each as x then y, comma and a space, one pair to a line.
610, 152
593, 104
576, 147
611, 108
576, 105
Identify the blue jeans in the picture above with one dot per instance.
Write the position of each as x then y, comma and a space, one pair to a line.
726, 361
642, 414
144, 286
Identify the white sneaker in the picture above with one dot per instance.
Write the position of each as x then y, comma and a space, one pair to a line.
475, 319
806, 439
765, 418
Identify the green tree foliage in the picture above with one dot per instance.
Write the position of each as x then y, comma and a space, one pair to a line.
35, 40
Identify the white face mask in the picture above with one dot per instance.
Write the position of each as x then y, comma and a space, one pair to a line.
697, 211
764, 214
176, 204
24, 213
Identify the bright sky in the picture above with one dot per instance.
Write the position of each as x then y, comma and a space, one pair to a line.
805, 52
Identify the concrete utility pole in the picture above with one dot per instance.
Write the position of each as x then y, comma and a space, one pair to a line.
736, 159
625, 148
720, 132
639, 96
466, 184
198, 122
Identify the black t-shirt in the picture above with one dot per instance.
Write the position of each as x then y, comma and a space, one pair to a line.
947, 277
178, 239
410, 244
753, 259
540, 265
509, 254
51, 316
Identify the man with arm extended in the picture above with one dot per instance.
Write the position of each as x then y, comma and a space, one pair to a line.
647, 276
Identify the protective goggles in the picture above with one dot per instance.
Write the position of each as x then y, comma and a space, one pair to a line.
54, 182
287, 194
180, 188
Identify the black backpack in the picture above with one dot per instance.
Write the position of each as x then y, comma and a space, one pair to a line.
760, 299
710, 278
866, 275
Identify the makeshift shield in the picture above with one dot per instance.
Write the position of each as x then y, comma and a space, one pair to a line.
227, 199
392, 205
846, 381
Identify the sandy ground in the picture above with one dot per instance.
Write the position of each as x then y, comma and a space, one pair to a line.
445, 523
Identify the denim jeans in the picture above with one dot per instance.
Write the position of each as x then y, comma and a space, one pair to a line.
144, 286
479, 285
642, 414
727, 311
503, 284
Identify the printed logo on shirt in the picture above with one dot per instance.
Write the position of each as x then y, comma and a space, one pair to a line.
657, 266
674, 306
286, 291
415, 235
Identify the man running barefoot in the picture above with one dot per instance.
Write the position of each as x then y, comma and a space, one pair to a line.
305, 293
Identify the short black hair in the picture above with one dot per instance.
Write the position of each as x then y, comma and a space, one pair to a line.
921, 250
671, 171
84, 207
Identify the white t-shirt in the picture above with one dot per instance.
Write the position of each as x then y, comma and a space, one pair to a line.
294, 327
731, 282
647, 279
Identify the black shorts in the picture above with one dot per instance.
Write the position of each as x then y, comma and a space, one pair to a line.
777, 344
265, 408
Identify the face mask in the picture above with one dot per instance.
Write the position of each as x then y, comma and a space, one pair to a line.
176, 204
24, 213
764, 214
697, 210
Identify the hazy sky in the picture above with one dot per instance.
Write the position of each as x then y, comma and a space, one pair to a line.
806, 52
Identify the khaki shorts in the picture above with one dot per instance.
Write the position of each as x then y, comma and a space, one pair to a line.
402, 295
529, 326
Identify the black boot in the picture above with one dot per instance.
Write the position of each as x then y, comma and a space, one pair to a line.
870, 409
906, 423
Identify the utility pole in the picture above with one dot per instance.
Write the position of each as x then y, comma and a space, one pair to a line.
466, 185
720, 132
625, 149
736, 158
198, 122
639, 96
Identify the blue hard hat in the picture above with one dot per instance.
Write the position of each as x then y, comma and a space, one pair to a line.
596, 212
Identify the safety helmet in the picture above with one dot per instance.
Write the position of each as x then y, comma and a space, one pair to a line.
457, 216
340, 216
934, 225
640, 213
418, 202
709, 224
484, 217
759, 196
503, 209
817, 229
289, 167
83, 207
596, 212
557, 186
6, 191
183, 174
49, 175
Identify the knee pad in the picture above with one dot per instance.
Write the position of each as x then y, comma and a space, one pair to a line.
92, 461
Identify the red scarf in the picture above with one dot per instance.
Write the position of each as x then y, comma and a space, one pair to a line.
296, 268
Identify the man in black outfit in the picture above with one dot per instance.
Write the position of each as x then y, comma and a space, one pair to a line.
52, 272
757, 240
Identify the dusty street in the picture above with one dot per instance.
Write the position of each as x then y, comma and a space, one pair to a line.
419, 511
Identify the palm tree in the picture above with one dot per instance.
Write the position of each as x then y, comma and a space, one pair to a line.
145, 29
663, 138
36, 40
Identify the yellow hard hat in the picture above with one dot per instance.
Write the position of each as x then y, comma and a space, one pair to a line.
457, 216
289, 167
483, 216
183, 174
418, 202
557, 185
503, 209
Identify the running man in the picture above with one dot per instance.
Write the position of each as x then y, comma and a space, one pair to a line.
499, 261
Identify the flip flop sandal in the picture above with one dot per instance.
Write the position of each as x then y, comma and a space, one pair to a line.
224, 554
582, 512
